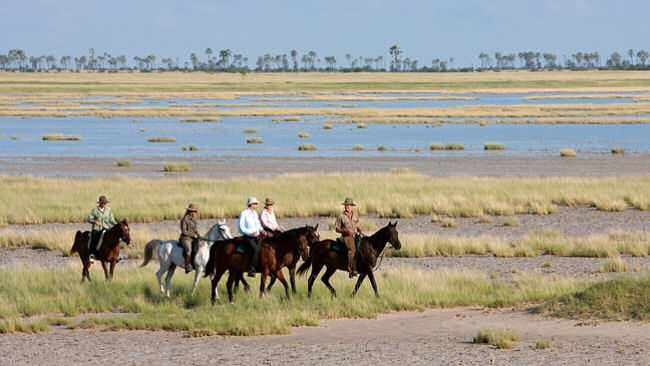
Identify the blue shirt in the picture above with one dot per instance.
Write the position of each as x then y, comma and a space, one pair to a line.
249, 222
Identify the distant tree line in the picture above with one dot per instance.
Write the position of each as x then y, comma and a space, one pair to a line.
226, 61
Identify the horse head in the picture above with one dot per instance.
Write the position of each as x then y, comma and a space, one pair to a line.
224, 230
124, 232
393, 237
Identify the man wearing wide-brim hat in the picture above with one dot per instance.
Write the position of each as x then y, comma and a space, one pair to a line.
347, 224
189, 238
101, 217
251, 228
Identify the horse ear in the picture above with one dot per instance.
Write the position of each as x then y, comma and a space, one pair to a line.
221, 222
316, 227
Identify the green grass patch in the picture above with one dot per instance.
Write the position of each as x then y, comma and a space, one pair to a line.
123, 163
134, 291
361, 125
454, 147
618, 150
382, 148
176, 167
621, 298
358, 148
503, 339
567, 153
494, 146
60, 137
254, 140
193, 147
436, 146
161, 139
542, 345
306, 147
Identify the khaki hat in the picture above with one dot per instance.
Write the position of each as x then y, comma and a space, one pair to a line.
251, 201
269, 202
348, 201
102, 199
193, 207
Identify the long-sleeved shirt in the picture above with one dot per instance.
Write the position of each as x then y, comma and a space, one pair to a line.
249, 223
188, 226
105, 218
267, 218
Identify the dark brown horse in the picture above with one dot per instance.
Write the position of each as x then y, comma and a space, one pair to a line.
323, 255
276, 253
108, 252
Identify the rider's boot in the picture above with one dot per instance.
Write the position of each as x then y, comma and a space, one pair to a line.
188, 268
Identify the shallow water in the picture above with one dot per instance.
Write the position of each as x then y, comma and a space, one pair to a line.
121, 137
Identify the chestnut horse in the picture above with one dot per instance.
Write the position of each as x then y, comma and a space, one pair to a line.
108, 252
323, 254
276, 253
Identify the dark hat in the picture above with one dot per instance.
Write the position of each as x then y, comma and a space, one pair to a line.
193, 207
348, 201
269, 202
102, 199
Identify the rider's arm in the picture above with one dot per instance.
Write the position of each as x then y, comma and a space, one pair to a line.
111, 219
185, 228
339, 226
91, 217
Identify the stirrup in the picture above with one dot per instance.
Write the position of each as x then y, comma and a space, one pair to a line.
251, 272
91, 258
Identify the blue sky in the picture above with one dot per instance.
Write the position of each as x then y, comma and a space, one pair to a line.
425, 29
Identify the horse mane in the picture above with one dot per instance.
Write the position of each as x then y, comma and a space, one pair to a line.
289, 233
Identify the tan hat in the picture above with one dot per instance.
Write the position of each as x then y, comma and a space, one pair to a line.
252, 201
102, 199
269, 202
193, 207
348, 201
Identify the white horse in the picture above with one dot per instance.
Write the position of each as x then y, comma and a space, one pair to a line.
170, 255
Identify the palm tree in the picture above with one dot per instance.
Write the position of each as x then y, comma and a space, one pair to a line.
294, 59
395, 51
208, 53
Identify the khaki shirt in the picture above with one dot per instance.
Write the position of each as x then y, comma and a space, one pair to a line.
345, 222
188, 226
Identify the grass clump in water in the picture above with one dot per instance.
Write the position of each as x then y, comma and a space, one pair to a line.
176, 167
251, 130
192, 119
357, 148
123, 163
361, 125
327, 126
60, 137
616, 265
454, 147
436, 146
14, 137
567, 153
494, 146
618, 150
254, 140
303, 135
211, 119
161, 139
193, 147
306, 147
503, 339
382, 148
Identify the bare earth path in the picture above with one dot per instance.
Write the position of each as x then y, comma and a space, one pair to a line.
431, 337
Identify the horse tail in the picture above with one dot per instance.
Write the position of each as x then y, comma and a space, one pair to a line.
148, 250
304, 267
209, 267
77, 242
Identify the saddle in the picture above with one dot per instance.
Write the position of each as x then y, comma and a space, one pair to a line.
99, 242
339, 245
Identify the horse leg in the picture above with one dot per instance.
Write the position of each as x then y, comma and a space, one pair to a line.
359, 281
113, 262
105, 270
168, 278
292, 278
326, 280
265, 273
159, 274
280, 276
85, 273
371, 276
268, 289
315, 270
231, 279
247, 288
215, 282
197, 276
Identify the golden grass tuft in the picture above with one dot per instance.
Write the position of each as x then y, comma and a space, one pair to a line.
436, 146
618, 150
251, 130
503, 339
306, 147
361, 125
616, 265
327, 126
358, 148
123, 163
176, 167
448, 223
60, 137
510, 222
254, 140
382, 148
454, 147
494, 146
303, 135
161, 139
567, 153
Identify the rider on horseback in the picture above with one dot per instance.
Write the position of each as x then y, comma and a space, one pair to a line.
189, 235
267, 218
251, 228
347, 224
102, 219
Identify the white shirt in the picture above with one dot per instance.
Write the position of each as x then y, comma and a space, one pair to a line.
268, 219
249, 222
